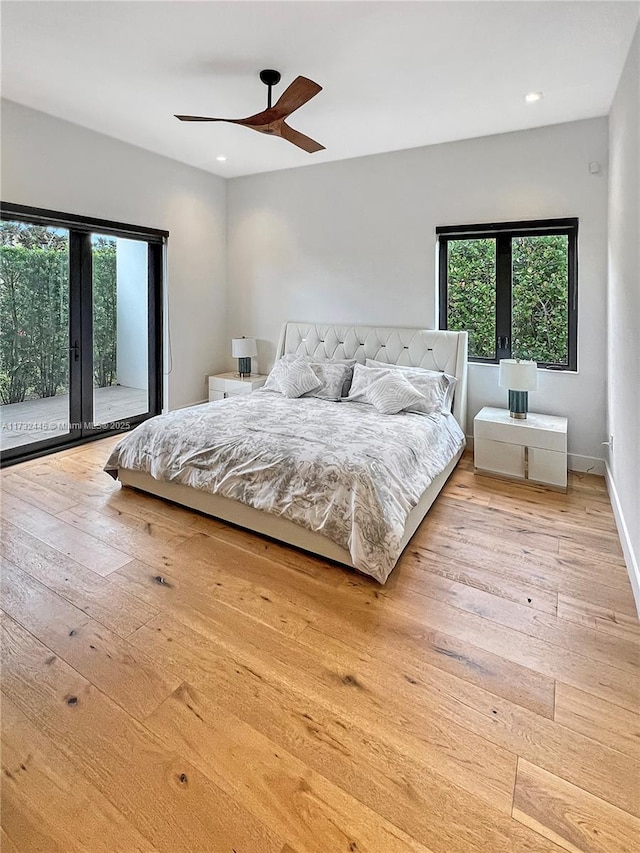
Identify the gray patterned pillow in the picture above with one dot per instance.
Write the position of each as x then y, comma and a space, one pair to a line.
430, 385
442, 382
318, 359
292, 378
365, 376
332, 376
393, 393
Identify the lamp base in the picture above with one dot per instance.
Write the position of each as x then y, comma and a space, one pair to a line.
518, 404
244, 367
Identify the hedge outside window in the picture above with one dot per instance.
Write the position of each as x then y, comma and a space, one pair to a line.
80, 328
513, 287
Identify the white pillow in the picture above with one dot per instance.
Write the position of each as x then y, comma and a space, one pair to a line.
393, 393
445, 380
292, 378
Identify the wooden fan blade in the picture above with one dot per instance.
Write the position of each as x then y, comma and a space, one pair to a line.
299, 139
259, 119
201, 118
294, 96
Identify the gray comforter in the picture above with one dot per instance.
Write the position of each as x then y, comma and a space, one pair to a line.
340, 469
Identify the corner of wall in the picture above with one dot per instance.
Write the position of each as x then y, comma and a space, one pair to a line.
623, 312
623, 531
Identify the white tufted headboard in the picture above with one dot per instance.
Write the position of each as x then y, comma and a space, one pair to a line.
434, 350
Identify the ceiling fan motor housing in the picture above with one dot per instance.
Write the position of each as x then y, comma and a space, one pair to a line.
270, 77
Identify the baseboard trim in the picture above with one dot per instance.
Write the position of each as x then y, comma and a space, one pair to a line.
585, 464
575, 461
633, 568
184, 406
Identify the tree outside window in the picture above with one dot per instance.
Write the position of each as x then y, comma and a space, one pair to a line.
513, 288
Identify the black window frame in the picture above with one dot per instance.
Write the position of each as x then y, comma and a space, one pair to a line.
80, 229
503, 233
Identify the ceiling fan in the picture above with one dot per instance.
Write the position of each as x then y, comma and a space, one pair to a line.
272, 120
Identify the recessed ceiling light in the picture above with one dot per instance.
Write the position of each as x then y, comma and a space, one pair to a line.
221, 158
532, 97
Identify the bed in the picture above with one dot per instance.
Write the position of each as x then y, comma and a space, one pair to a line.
232, 459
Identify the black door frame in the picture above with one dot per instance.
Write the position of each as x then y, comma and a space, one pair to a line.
81, 324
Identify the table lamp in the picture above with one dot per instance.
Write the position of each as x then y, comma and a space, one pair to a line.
519, 377
243, 349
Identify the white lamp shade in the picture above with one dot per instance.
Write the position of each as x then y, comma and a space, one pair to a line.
518, 375
243, 347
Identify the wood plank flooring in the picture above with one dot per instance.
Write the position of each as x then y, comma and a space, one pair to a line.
173, 683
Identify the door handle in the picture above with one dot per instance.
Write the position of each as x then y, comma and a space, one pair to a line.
75, 349
503, 342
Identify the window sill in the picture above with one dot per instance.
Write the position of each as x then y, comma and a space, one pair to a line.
562, 372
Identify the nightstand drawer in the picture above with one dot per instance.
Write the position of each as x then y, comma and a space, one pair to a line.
231, 385
532, 449
521, 433
499, 457
237, 389
548, 466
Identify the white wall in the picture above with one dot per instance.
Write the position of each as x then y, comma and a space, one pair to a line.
351, 241
53, 164
132, 305
624, 310
354, 241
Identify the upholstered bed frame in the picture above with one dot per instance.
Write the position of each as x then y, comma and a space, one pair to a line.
434, 350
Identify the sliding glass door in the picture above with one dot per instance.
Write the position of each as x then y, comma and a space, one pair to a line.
80, 329
34, 335
120, 315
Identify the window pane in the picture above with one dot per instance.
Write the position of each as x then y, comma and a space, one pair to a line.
34, 333
540, 295
120, 329
471, 289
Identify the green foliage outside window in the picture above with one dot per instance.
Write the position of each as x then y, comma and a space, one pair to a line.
539, 296
472, 294
34, 312
105, 312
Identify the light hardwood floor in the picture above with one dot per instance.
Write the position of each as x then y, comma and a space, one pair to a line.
171, 683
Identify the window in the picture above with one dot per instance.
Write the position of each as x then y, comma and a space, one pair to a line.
80, 329
513, 287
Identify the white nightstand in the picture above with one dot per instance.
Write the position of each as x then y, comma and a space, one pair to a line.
231, 385
532, 449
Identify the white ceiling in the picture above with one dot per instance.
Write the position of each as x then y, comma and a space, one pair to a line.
395, 74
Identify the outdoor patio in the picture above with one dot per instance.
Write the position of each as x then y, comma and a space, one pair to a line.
35, 420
